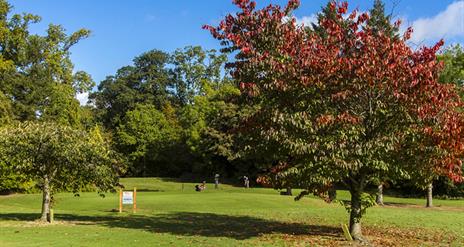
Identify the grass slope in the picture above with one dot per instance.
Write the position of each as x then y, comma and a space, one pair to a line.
170, 216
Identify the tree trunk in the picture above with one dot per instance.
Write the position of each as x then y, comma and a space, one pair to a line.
429, 196
355, 214
379, 198
332, 193
46, 199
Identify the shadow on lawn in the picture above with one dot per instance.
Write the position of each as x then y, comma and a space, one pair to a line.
194, 224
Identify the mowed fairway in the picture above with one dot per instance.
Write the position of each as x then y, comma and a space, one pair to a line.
231, 216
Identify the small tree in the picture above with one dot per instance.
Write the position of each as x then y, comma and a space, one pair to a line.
59, 158
348, 103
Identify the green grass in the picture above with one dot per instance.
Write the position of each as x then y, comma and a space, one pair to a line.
230, 216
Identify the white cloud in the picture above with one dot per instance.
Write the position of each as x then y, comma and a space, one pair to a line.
307, 20
83, 98
447, 24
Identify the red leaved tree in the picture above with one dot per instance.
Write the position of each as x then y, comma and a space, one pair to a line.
348, 104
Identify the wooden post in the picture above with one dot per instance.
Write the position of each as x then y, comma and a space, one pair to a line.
135, 200
120, 200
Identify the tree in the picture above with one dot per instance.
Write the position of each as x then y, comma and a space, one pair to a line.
146, 82
453, 62
349, 105
208, 123
37, 77
59, 157
144, 136
43, 85
193, 70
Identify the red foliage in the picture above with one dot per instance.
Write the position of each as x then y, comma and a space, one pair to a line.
290, 58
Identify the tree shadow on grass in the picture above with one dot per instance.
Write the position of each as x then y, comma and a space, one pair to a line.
195, 224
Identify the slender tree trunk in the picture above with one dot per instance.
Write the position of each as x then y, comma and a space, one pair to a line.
429, 196
332, 193
355, 215
379, 198
46, 199
356, 191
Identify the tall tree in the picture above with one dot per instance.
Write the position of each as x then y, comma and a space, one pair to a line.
44, 85
147, 81
60, 157
37, 77
453, 62
144, 135
347, 105
194, 69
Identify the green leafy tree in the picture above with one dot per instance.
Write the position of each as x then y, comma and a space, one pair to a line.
37, 81
194, 69
208, 125
144, 136
147, 81
453, 62
59, 158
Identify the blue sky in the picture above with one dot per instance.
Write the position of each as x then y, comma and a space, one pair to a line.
124, 29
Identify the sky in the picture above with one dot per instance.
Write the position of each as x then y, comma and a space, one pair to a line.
122, 30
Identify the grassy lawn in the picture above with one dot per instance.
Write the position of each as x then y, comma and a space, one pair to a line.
168, 216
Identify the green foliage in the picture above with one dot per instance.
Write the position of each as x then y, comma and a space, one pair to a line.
146, 82
208, 124
380, 22
37, 79
69, 159
170, 113
194, 70
453, 71
367, 201
144, 136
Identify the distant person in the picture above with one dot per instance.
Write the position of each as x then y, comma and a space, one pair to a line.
197, 188
203, 185
246, 182
216, 181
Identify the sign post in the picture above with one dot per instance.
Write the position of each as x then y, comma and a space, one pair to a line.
120, 200
135, 201
128, 197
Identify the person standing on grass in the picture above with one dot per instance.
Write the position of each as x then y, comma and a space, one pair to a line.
216, 181
246, 181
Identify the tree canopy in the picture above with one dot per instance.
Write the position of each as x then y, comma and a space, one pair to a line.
59, 157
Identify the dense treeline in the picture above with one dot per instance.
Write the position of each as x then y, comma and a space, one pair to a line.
171, 114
